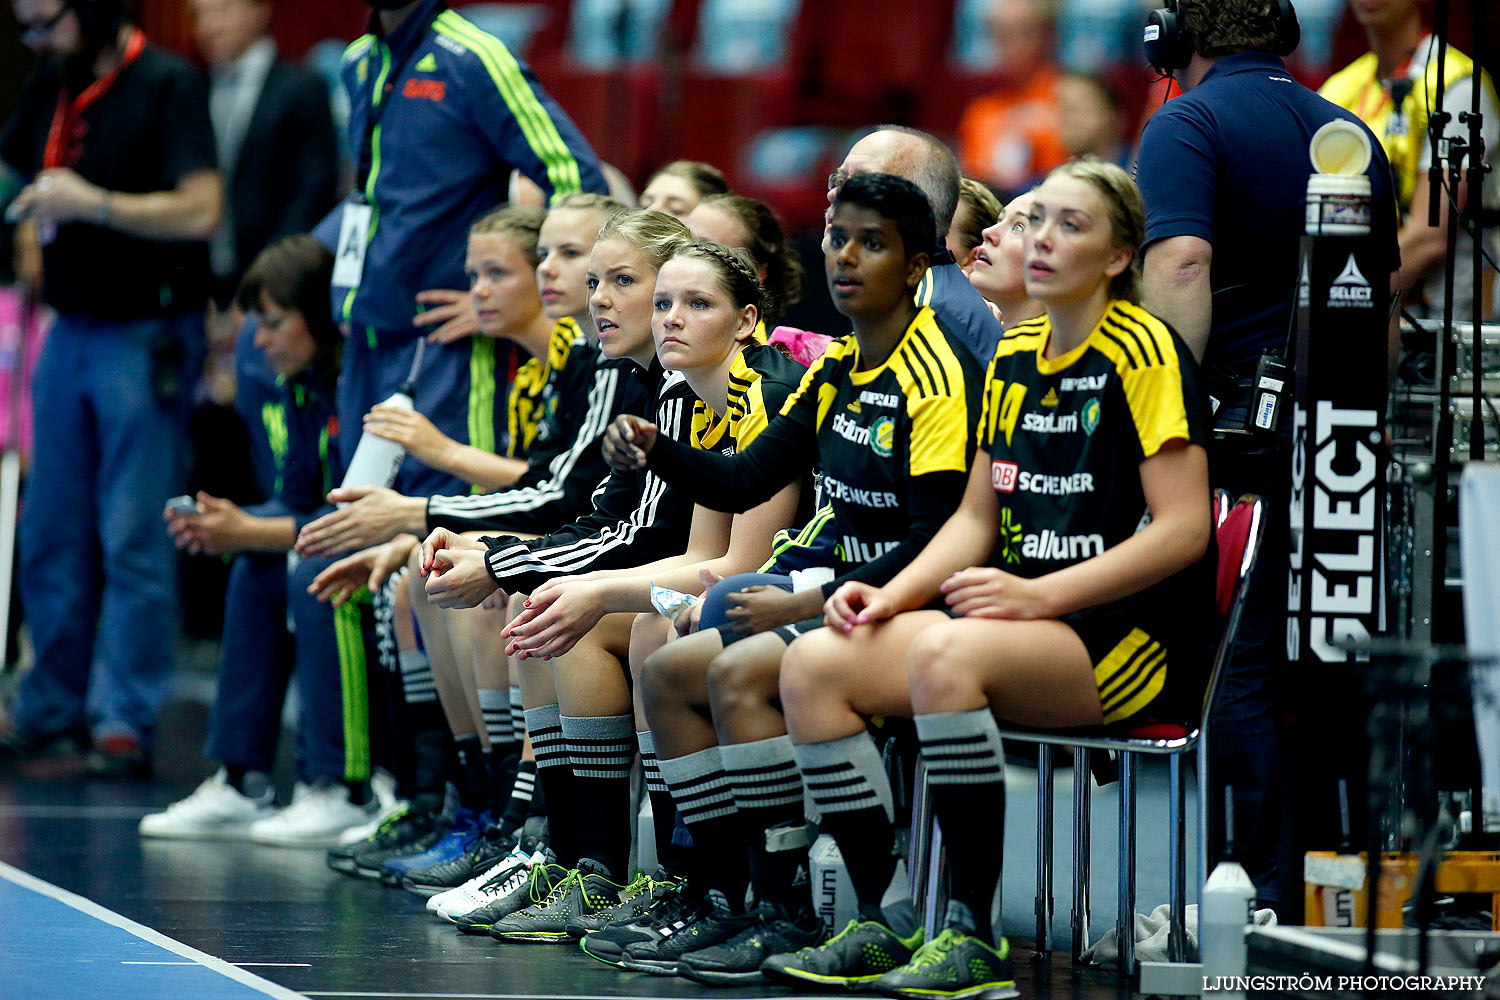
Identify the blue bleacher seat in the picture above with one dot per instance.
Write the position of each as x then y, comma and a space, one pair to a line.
607, 33
737, 37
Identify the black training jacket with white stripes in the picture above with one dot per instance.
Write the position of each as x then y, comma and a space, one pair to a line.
636, 518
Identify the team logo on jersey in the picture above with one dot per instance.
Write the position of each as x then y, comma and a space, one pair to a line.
1049, 398
1012, 536
427, 64
425, 90
1003, 476
1090, 414
883, 436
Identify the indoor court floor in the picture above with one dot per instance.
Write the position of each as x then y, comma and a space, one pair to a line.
90, 910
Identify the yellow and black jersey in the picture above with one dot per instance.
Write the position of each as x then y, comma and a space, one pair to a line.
894, 442
1067, 436
534, 394
760, 380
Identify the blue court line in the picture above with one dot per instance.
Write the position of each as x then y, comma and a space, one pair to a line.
56, 945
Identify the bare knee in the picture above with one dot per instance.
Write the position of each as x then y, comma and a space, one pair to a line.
813, 669
741, 676
936, 671
672, 669
645, 636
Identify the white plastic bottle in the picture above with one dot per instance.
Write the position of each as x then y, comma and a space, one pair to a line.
377, 459
832, 889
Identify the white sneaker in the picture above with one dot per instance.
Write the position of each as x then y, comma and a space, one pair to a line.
215, 811
483, 888
386, 807
317, 816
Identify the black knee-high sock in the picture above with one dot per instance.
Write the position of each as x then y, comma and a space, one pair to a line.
673, 858
554, 775
768, 793
602, 749
966, 778
703, 797
522, 791
848, 784
505, 747
473, 773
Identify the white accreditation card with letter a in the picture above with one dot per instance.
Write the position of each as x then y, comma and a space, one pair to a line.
354, 235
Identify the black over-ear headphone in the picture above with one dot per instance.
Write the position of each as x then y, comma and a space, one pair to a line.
1168, 48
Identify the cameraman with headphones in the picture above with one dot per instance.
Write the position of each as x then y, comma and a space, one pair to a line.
113, 143
1224, 172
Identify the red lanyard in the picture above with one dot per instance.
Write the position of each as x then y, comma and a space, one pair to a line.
64, 138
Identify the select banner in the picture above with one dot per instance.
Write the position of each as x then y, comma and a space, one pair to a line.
1335, 590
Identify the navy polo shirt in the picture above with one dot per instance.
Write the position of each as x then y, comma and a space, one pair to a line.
959, 307
1228, 162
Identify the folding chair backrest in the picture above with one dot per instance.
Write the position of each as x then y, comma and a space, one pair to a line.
1238, 531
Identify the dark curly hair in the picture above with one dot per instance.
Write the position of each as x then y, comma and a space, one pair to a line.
1221, 27
899, 200
773, 253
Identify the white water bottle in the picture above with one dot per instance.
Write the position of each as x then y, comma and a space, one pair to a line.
645, 837
1226, 909
376, 459
832, 889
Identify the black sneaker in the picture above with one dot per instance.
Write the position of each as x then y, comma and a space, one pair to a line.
43, 752
668, 906
485, 853
738, 960
635, 900
421, 828
387, 834
857, 955
584, 890
710, 924
520, 890
953, 966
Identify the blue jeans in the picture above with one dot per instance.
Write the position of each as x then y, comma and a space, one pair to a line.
97, 570
325, 653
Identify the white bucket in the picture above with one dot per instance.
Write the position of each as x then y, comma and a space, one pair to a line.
1338, 205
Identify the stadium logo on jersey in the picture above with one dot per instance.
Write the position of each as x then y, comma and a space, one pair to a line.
1050, 423
1012, 536
850, 430
1003, 476
890, 401
1083, 383
883, 437
1049, 398
854, 550
1350, 290
1050, 545
1090, 415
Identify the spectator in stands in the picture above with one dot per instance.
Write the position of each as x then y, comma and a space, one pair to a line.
114, 138
1011, 136
999, 272
285, 293
978, 209
1089, 118
677, 187
1392, 88
920, 158
273, 132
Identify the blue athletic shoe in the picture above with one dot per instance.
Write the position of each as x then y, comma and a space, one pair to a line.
467, 827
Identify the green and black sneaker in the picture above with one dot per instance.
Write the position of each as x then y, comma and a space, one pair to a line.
953, 966
635, 899
853, 958
584, 890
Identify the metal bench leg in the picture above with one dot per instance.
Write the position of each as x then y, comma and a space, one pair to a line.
1044, 849
919, 844
1125, 919
1177, 860
1082, 779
